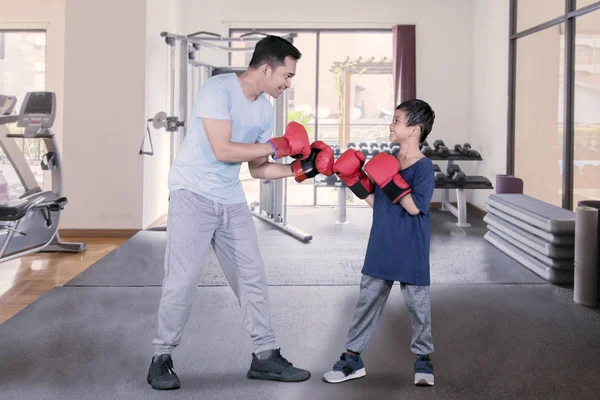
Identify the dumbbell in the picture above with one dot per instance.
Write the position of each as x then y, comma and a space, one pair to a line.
374, 146
351, 145
425, 149
465, 150
455, 175
440, 149
439, 176
462, 150
472, 153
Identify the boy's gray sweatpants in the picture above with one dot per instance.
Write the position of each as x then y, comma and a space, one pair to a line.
371, 301
194, 224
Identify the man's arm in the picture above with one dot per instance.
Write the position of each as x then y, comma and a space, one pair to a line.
219, 136
261, 168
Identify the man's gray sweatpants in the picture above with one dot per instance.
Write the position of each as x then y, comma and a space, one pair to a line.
371, 302
194, 224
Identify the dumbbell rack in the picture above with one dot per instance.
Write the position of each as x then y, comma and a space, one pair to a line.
334, 181
460, 210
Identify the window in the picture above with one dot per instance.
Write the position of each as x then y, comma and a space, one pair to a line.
554, 86
586, 160
539, 92
535, 12
356, 93
22, 70
346, 97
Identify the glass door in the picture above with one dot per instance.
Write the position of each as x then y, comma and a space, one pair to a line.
355, 96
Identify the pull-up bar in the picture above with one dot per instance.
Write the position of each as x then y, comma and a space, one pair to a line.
205, 38
272, 206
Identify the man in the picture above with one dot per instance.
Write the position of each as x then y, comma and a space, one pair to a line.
231, 123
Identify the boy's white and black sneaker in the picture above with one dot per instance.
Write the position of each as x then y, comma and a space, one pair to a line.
276, 368
423, 371
349, 366
161, 375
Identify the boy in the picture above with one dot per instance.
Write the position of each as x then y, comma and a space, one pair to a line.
398, 249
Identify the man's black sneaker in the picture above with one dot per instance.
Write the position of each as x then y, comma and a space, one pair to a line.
276, 368
161, 375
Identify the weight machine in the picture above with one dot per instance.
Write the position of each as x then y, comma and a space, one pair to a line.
190, 75
29, 223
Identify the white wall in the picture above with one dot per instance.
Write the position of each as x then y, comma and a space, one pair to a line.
115, 64
161, 15
105, 62
48, 15
489, 91
443, 36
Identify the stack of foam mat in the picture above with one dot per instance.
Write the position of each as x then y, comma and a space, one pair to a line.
536, 234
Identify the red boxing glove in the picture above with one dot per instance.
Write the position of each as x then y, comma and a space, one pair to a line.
320, 161
349, 169
384, 170
324, 160
294, 142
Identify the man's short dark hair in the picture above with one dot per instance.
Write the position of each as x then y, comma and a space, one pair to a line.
419, 113
273, 50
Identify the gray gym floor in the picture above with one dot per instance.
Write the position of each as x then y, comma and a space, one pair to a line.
500, 331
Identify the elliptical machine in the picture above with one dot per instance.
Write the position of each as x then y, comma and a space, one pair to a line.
29, 224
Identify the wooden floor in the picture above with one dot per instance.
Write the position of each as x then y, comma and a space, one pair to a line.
24, 280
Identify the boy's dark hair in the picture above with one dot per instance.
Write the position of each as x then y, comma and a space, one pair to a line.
273, 50
419, 113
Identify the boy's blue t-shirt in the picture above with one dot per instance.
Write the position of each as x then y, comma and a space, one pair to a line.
398, 248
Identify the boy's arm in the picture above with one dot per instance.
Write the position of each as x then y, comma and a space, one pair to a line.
370, 199
383, 168
423, 185
409, 205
